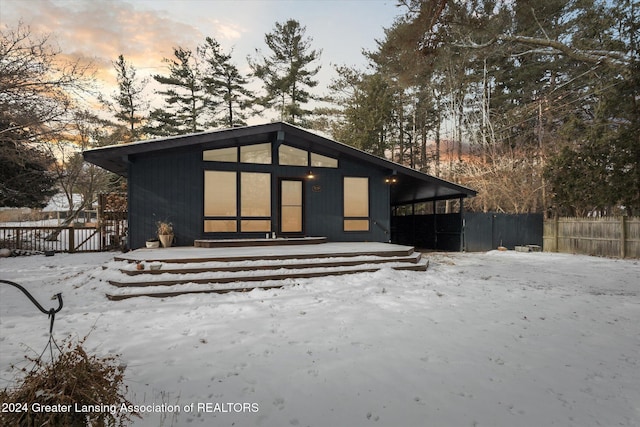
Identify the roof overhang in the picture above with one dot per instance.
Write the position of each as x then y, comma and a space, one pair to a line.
411, 186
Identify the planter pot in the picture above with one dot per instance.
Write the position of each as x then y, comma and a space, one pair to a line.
166, 240
152, 244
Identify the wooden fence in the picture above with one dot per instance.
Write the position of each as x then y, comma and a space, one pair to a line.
608, 236
60, 239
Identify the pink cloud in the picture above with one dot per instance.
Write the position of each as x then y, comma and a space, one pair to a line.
101, 30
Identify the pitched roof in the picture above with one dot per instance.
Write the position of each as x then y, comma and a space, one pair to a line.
412, 185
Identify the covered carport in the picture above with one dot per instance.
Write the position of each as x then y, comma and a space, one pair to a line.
427, 212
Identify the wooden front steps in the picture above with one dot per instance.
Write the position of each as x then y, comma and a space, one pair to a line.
279, 252
213, 273
307, 263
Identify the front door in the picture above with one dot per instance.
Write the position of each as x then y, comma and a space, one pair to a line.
291, 206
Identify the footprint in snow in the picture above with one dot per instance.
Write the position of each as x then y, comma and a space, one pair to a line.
372, 417
279, 403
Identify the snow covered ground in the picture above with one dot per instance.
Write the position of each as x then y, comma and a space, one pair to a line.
482, 339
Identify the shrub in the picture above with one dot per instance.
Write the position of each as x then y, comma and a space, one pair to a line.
72, 378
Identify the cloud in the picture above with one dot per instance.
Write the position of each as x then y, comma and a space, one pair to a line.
225, 31
102, 29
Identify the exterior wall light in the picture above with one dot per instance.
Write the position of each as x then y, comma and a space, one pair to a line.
391, 179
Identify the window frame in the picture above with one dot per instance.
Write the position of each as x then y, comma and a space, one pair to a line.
350, 219
241, 219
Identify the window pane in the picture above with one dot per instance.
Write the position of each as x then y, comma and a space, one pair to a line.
356, 225
220, 226
255, 194
356, 197
249, 225
291, 193
259, 153
291, 206
219, 193
323, 161
291, 156
291, 219
221, 155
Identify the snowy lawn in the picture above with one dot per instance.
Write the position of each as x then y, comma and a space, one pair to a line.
495, 339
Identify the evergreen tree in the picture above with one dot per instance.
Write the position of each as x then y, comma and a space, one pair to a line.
25, 176
366, 110
129, 99
223, 81
286, 72
186, 106
527, 83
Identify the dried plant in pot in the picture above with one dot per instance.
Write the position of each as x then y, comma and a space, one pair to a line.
165, 233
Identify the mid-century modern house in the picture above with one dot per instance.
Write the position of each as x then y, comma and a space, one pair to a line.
265, 180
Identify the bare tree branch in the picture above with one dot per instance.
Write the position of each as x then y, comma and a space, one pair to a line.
555, 47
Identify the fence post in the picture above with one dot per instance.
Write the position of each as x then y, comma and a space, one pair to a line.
623, 237
71, 239
556, 228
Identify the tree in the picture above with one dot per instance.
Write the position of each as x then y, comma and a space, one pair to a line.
129, 101
286, 72
223, 81
36, 100
74, 176
25, 177
186, 106
366, 110
526, 84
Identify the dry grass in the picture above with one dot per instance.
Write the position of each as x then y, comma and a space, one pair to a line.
72, 380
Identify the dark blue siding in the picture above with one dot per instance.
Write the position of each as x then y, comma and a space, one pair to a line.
168, 186
165, 187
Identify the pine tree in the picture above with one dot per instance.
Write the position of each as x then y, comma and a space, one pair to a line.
224, 82
129, 98
286, 72
366, 110
25, 177
186, 106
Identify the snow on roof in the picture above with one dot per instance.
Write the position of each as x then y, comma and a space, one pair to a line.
60, 203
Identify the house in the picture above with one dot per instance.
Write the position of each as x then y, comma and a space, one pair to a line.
58, 208
259, 181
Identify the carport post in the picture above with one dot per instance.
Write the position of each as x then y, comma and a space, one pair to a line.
435, 226
461, 224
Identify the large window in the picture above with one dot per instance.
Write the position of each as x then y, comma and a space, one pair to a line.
220, 193
291, 206
221, 210
255, 202
220, 201
356, 204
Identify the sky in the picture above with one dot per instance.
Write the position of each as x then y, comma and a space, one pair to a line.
145, 31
